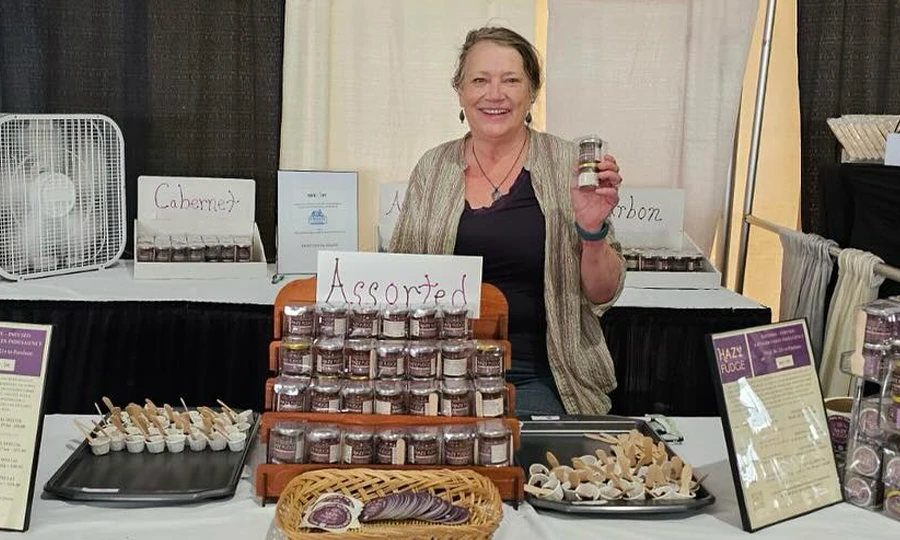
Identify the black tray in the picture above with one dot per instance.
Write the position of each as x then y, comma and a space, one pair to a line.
147, 479
565, 438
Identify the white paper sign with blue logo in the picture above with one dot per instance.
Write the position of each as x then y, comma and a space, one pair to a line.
317, 210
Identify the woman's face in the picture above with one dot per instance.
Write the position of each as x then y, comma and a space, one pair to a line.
495, 92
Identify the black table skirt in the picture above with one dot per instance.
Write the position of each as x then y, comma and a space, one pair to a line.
129, 351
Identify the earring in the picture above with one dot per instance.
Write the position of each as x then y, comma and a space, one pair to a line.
462, 116
528, 118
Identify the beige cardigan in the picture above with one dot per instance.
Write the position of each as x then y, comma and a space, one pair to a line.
576, 349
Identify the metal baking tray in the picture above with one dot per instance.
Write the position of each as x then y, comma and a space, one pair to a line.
564, 436
147, 479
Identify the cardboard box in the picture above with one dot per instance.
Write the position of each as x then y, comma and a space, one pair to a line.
709, 278
170, 205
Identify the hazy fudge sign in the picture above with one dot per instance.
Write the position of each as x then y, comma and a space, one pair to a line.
394, 279
774, 421
23, 366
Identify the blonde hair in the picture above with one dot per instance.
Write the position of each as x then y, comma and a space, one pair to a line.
508, 38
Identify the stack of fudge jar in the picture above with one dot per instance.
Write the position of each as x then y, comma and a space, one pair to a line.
872, 470
389, 361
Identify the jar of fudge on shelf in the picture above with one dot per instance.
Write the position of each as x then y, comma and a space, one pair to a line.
424, 446
423, 323
295, 356
390, 445
358, 445
457, 397
880, 321
331, 320
298, 320
328, 356
291, 394
323, 444
162, 246
179, 248
390, 396
390, 359
422, 397
286, 442
459, 445
229, 248
325, 395
358, 397
359, 355
490, 397
364, 321
457, 356
488, 359
243, 248
422, 359
196, 249
144, 250
494, 443
455, 322
394, 322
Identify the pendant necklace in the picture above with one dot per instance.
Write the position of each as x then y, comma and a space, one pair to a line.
496, 194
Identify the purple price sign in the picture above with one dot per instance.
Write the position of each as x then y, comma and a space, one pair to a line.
22, 350
759, 352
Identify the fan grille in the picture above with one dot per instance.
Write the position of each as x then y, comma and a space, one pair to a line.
62, 205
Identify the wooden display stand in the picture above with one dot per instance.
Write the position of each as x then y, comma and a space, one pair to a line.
271, 478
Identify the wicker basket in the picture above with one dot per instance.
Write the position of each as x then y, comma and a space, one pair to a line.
465, 488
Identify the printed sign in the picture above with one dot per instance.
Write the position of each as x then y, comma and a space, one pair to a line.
649, 217
186, 198
777, 434
399, 279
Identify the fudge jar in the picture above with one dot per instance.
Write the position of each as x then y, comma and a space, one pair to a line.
423, 323
456, 357
665, 263
490, 397
364, 321
299, 321
422, 397
358, 397
229, 248
162, 246
332, 320
649, 262
242, 247
695, 263
874, 357
455, 322
196, 249
213, 248
179, 248
632, 260
295, 356
679, 263
488, 359
390, 359
422, 359
357, 445
323, 444
325, 395
456, 397
145, 250
359, 355
390, 446
328, 354
880, 320
286, 442
424, 446
390, 396
493, 443
459, 445
291, 394
394, 322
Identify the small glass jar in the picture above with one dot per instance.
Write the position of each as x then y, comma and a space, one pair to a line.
325, 395
695, 264
364, 321
679, 263
358, 397
632, 260
213, 248
494, 444
243, 245
291, 394
488, 359
422, 359
455, 322
423, 397
286, 442
456, 397
459, 445
179, 248
390, 446
490, 397
390, 396
357, 445
162, 246
359, 355
323, 444
394, 322
298, 321
424, 447
328, 354
196, 249
229, 248
332, 320
880, 320
456, 357
390, 359
874, 357
295, 355
665, 263
145, 252
649, 261
423, 323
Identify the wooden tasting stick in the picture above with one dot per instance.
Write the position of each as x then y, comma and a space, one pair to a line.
86, 432
228, 410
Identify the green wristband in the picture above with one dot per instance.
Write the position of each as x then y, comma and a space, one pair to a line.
593, 236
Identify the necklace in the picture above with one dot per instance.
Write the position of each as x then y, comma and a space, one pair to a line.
496, 193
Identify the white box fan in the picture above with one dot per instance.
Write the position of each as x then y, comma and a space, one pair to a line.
62, 194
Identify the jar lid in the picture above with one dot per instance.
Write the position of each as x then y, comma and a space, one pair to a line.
492, 428
456, 345
459, 432
422, 387
390, 347
295, 341
358, 433
388, 387
455, 310
361, 344
423, 311
877, 346
390, 434
456, 387
289, 428
293, 311
882, 307
394, 311
361, 386
366, 309
490, 384
291, 385
335, 309
417, 348
326, 384
330, 343
489, 346
323, 432
424, 434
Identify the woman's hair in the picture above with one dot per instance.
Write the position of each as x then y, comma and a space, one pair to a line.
508, 38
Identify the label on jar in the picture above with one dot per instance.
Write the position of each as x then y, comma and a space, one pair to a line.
383, 407
362, 363
425, 328
494, 452
488, 364
456, 406
459, 452
330, 362
284, 448
340, 326
324, 403
455, 367
296, 362
300, 325
488, 405
393, 329
455, 326
324, 452
389, 365
423, 404
357, 452
423, 452
422, 365
290, 403
358, 403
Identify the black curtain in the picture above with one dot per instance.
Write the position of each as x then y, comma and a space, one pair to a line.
849, 63
195, 86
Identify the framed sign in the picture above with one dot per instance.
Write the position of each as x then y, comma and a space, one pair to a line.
24, 349
774, 421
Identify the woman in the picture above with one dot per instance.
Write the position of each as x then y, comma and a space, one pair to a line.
504, 192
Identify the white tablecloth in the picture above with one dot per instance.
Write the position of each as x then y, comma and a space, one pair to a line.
242, 518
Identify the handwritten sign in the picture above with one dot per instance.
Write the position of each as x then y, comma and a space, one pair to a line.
390, 201
649, 217
190, 198
399, 279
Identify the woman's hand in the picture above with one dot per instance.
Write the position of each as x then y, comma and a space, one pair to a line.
593, 204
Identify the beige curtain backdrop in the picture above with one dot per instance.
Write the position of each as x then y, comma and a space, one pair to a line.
367, 84
661, 81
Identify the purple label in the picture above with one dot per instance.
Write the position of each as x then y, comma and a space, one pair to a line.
732, 357
22, 350
840, 429
778, 349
